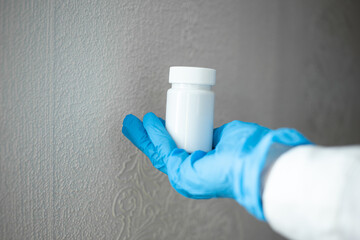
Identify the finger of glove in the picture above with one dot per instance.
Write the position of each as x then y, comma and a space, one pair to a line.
162, 121
217, 135
134, 130
185, 177
181, 176
242, 130
200, 175
289, 137
158, 135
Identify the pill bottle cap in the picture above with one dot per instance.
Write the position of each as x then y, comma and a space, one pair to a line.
192, 75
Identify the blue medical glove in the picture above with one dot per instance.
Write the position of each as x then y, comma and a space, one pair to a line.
231, 170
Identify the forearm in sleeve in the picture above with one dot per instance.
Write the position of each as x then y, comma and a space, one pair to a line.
313, 192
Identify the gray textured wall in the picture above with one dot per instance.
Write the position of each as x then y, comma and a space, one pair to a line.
71, 70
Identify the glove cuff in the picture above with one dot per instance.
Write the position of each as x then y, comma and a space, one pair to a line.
247, 189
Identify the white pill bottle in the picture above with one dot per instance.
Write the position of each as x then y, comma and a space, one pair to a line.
190, 107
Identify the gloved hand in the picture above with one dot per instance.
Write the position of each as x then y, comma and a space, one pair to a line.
231, 170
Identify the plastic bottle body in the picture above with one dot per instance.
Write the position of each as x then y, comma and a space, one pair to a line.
190, 116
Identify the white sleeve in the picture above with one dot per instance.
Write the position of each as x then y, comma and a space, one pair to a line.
313, 192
